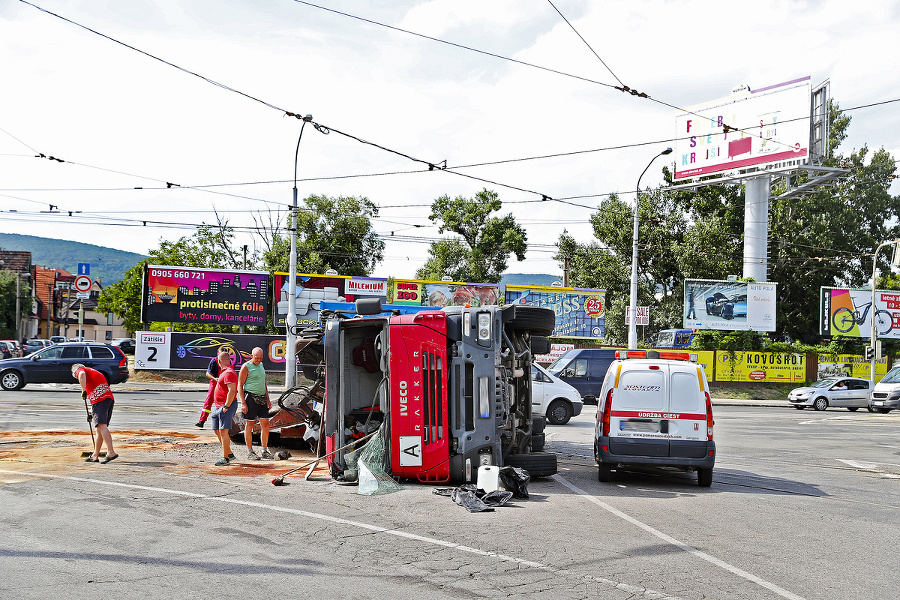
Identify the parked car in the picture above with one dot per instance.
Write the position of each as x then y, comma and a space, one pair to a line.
6, 351
32, 346
851, 393
886, 395
553, 397
57, 339
54, 364
126, 345
208, 346
14, 347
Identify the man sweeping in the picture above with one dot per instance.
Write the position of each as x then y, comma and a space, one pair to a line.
95, 390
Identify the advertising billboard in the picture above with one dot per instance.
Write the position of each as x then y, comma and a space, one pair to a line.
205, 296
772, 367
850, 365
765, 126
850, 312
417, 292
167, 350
579, 312
729, 305
313, 289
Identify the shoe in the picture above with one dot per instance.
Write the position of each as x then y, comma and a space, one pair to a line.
252, 455
91, 459
200, 424
109, 459
223, 462
268, 455
231, 456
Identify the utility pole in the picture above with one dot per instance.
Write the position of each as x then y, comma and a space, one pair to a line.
241, 329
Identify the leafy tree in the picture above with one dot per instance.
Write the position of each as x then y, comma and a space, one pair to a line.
482, 251
8, 302
332, 233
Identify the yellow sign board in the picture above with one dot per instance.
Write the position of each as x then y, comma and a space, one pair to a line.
769, 367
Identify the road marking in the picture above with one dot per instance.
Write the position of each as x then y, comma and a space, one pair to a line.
669, 539
865, 466
632, 589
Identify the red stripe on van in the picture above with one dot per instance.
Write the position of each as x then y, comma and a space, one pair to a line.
653, 414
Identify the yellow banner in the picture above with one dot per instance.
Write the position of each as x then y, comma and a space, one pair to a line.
772, 367
853, 365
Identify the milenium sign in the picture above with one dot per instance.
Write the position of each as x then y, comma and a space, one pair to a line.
767, 126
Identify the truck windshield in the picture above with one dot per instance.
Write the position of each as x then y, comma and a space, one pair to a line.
893, 376
666, 339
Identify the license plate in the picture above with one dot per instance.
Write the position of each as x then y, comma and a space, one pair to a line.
878, 403
642, 426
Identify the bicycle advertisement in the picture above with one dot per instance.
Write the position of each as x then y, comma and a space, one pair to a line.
850, 312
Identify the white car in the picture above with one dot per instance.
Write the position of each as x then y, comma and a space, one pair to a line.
851, 393
553, 397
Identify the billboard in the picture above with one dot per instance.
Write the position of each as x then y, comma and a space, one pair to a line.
167, 350
579, 312
849, 312
850, 365
765, 126
313, 289
772, 367
417, 292
729, 305
205, 296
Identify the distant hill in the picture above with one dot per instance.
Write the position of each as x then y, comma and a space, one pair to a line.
529, 279
107, 264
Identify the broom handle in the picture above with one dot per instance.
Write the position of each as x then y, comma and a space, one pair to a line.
329, 454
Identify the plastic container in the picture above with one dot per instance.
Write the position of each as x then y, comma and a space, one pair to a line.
488, 478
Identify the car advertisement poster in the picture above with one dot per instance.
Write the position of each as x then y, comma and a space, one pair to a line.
579, 312
729, 305
167, 350
849, 312
416, 292
205, 296
850, 365
771, 367
313, 289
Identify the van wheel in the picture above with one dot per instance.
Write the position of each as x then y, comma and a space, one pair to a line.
538, 464
559, 412
853, 408
704, 477
605, 473
540, 321
820, 403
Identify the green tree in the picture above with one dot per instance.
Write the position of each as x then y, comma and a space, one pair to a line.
332, 233
482, 251
8, 303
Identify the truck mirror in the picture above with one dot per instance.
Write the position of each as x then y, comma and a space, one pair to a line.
368, 306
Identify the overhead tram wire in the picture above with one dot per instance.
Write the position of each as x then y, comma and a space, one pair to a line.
586, 42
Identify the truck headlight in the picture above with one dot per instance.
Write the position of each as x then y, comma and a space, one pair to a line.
484, 327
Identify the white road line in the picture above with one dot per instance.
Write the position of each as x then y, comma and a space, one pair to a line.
669, 539
865, 466
632, 589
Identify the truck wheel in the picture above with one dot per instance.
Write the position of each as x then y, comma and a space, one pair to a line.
538, 424
537, 442
540, 345
540, 321
704, 477
559, 412
605, 473
538, 464
11, 381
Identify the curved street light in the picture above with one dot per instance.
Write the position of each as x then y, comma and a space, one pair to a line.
632, 327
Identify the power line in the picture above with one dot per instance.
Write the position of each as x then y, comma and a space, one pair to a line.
586, 42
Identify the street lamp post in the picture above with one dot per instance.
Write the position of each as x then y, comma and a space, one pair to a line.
290, 372
632, 327
873, 332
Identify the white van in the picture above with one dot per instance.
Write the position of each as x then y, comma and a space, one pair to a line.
886, 395
553, 397
655, 410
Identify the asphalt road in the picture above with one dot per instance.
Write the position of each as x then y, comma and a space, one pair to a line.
803, 505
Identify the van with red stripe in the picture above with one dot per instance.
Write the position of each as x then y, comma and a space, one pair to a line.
655, 410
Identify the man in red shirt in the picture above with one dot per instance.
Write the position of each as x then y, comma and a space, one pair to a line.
95, 389
224, 404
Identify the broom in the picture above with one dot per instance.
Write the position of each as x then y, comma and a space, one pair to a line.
90, 428
280, 479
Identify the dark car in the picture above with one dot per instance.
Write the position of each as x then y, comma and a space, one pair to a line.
207, 347
126, 345
54, 364
32, 346
715, 304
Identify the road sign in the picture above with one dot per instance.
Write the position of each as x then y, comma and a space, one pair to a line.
643, 315
82, 295
83, 283
84, 268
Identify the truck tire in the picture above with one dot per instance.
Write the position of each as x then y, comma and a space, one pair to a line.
538, 424
540, 321
538, 464
540, 345
537, 442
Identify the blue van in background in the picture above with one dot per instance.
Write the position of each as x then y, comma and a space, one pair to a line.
584, 370
674, 338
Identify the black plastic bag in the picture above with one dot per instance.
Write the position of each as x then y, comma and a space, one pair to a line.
515, 480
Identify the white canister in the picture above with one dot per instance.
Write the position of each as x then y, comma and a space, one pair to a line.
488, 478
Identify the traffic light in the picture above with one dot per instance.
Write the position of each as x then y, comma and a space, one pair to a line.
870, 353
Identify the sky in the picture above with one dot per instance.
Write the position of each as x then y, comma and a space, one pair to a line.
127, 124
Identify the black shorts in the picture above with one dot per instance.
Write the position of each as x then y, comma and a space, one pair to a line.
102, 411
255, 410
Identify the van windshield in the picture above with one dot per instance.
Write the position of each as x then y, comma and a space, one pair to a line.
558, 365
893, 376
665, 338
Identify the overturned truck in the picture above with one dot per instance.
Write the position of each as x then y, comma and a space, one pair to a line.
450, 388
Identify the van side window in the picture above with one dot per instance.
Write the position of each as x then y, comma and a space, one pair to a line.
640, 390
686, 394
581, 367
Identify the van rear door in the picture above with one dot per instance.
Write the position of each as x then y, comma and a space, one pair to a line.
687, 419
638, 426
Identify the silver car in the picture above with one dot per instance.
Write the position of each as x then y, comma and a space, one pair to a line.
851, 393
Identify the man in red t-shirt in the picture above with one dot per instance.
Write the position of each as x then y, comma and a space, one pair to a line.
95, 389
224, 405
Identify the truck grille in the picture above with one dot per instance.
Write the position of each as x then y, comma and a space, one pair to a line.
433, 400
